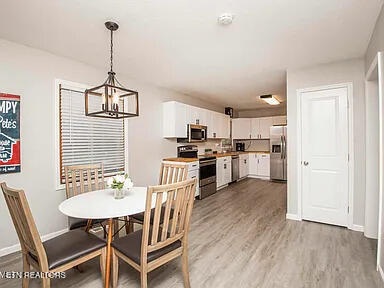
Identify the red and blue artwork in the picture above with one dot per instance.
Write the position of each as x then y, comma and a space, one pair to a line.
9, 133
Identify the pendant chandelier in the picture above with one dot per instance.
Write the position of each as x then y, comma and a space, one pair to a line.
111, 99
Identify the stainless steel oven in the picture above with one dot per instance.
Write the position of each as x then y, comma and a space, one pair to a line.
207, 170
207, 176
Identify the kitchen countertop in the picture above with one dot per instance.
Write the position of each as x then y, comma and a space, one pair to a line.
217, 155
179, 159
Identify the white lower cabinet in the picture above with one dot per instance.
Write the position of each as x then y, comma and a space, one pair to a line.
223, 171
243, 165
193, 172
259, 164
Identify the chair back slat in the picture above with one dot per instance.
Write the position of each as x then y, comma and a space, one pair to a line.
180, 197
167, 212
74, 183
178, 202
156, 219
81, 181
172, 173
89, 179
80, 176
25, 226
183, 210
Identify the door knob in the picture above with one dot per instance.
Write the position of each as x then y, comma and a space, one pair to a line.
305, 163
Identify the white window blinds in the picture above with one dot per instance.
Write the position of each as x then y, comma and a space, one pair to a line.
88, 140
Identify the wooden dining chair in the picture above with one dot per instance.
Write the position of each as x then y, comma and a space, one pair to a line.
80, 179
155, 245
169, 173
55, 255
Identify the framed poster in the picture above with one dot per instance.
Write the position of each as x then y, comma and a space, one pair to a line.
9, 133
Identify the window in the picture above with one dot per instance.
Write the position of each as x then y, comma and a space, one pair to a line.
87, 140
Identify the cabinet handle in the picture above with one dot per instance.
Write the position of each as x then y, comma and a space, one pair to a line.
225, 166
193, 177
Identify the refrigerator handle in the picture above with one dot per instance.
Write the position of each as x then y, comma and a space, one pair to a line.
282, 147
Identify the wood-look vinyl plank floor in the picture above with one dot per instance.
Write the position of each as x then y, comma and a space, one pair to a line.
239, 237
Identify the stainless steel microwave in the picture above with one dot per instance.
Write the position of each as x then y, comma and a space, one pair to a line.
197, 133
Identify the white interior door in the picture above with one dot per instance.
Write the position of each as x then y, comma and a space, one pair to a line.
324, 124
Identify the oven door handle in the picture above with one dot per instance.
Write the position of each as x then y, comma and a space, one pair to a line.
206, 163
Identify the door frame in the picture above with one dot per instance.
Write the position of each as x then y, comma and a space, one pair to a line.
300, 92
377, 63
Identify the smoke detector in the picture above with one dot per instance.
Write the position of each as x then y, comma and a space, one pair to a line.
225, 19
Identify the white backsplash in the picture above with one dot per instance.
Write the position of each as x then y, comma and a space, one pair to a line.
255, 145
215, 145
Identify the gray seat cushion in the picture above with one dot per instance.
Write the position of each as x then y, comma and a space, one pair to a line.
70, 246
140, 216
75, 223
130, 246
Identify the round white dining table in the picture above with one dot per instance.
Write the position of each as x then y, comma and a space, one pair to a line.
101, 204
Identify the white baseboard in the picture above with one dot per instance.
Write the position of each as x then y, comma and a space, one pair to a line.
16, 247
381, 272
259, 177
292, 217
221, 187
358, 228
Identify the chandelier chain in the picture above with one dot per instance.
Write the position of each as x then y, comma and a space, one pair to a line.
111, 51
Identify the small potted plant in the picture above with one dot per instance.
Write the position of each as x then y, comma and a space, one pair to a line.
120, 183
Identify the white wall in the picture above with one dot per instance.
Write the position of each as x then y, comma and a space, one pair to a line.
262, 112
333, 73
31, 73
376, 43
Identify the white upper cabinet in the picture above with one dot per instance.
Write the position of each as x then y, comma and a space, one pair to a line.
241, 128
265, 125
176, 117
197, 115
279, 120
226, 126
218, 125
254, 128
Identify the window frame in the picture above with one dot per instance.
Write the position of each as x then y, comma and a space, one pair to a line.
58, 143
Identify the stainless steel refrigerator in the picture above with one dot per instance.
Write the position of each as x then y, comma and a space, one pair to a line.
278, 149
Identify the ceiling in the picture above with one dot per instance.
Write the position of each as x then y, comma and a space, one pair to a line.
179, 45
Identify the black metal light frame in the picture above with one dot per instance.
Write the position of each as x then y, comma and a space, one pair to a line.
111, 85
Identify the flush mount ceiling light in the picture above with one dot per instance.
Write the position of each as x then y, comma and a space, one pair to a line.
225, 19
270, 99
114, 100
